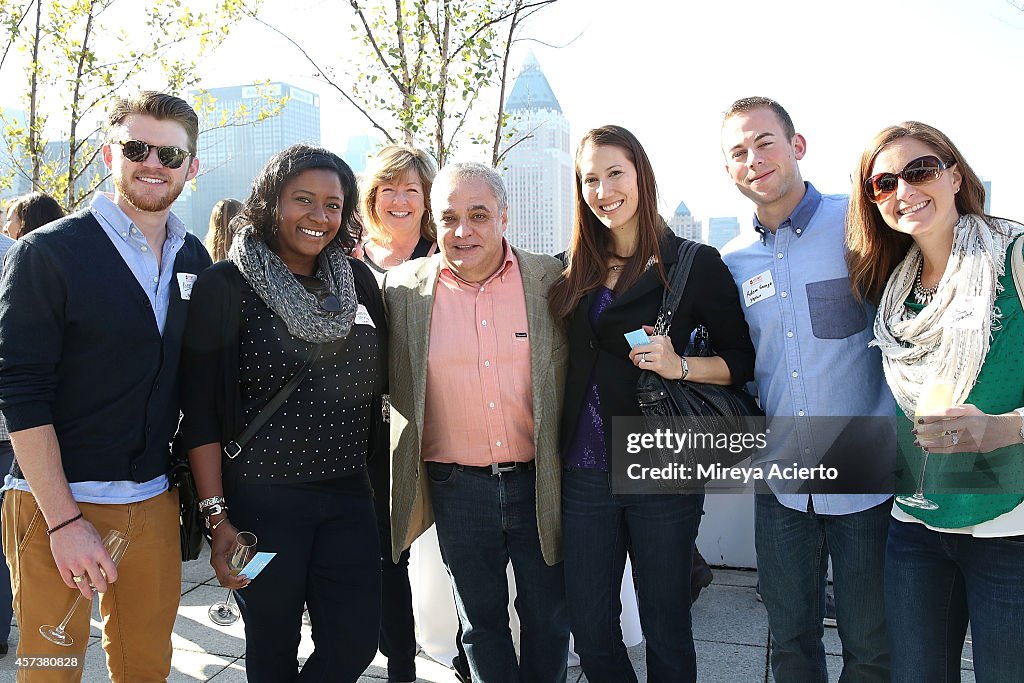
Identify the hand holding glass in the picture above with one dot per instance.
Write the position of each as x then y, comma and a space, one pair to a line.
225, 612
936, 396
116, 543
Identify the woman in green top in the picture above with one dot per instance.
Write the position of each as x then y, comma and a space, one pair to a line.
940, 270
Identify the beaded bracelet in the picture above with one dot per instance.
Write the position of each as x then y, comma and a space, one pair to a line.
64, 524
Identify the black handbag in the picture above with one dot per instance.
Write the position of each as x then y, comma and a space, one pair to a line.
707, 408
193, 531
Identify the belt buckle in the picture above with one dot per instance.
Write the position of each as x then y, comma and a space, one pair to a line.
496, 468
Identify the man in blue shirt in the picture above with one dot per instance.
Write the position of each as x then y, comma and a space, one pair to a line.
92, 314
813, 361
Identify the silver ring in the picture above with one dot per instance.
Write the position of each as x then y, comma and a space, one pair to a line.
955, 437
643, 357
78, 579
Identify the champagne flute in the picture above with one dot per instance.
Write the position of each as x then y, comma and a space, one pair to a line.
936, 395
116, 543
225, 612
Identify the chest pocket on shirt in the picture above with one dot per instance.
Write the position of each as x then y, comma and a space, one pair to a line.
835, 314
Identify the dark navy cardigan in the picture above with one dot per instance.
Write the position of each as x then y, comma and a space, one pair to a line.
80, 349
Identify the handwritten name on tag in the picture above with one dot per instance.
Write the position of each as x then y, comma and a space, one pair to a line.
758, 288
185, 282
965, 313
363, 316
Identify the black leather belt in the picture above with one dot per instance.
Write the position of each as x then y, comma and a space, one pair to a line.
500, 467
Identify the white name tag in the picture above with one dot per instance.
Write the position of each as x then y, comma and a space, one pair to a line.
965, 313
758, 288
363, 316
185, 282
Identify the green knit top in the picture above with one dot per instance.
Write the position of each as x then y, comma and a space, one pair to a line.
971, 488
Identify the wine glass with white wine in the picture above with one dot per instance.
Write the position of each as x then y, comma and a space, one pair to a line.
936, 395
225, 612
116, 543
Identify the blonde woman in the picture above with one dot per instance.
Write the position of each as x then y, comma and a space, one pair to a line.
395, 208
221, 232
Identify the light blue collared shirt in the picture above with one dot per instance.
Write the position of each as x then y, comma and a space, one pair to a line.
155, 280
811, 338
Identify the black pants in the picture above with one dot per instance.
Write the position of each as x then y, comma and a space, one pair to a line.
397, 628
328, 557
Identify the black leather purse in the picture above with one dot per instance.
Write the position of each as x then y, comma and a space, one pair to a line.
707, 408
193, 532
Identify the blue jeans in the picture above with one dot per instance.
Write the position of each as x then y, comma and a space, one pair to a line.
658, 532
328, 557
483, 522
793, 548
6, 610
934, 584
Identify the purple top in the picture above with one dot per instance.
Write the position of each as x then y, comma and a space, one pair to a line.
587, 450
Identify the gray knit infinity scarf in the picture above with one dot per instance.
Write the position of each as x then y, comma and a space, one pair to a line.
284, 295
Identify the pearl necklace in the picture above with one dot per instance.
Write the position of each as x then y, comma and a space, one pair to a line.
923, 295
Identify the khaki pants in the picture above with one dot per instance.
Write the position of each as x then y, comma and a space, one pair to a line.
137, 612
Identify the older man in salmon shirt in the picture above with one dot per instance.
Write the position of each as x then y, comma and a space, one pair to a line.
477, 371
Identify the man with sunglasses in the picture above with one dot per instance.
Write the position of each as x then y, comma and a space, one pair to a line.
813, 362
92, 314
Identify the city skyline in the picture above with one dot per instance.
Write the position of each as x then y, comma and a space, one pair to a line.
669, 80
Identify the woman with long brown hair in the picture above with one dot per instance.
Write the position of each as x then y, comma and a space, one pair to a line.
949, 314
616, 271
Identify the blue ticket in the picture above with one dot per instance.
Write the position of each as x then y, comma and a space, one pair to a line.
260, 560
636, 338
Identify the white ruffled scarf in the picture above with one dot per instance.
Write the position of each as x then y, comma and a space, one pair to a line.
950, 337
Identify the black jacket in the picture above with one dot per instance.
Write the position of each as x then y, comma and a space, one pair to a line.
710, 298
80, 349
213, 409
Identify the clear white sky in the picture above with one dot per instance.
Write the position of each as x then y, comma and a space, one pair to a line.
667, 70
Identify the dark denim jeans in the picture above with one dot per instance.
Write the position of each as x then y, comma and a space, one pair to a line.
658, 531
6, 610
483, 522
793, 548
934, 584
328, 557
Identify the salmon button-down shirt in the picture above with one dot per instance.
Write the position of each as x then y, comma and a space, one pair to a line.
479, 396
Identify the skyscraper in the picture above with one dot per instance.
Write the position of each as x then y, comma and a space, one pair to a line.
721, 230
230, 155
539, 170
685, 225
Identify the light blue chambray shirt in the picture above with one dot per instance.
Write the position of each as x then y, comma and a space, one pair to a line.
155, 280
811, 338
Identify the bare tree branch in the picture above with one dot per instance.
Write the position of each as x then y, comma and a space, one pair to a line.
373, 41
327, 78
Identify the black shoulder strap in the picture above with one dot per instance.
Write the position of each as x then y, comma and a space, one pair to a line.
676, 283
234, 448
422, 248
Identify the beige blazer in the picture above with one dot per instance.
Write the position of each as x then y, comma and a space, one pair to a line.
409, 297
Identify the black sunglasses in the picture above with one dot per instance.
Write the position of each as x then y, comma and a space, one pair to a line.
169, 156
921, 170
329, 303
